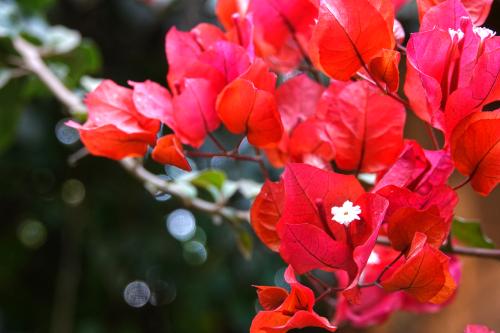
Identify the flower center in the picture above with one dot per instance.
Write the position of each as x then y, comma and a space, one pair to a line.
346, 213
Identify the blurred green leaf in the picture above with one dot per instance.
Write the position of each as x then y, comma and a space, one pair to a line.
211, 181
469, 233
83, 60
10, 18
35, 5
9, 112
5, 76
210, 178
245, 243
59, 39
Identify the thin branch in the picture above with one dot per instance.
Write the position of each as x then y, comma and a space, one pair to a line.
216, 142
462, 184
150, 180
432, 135
459, 250
228, 154
33, 62
262, 166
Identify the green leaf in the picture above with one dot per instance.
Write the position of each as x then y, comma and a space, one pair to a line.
211, 181
245, 243
5, 76
469, 233
83, 60
10, 111
34, 5
210, 178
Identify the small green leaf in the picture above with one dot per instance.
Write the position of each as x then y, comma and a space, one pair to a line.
245, 243
469, 233
210, 178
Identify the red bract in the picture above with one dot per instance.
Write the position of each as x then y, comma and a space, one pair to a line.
225, 9
417, 169
442, 197
310, 239
247, 105
366, 127
375, 305
266, 212
349, 34
168, 150
115, 128
406, 221
311, 138
194, 112
424, 274
297, 100
418, 180
477, 9
304, 135
278, 22
153, 101
286, 311
281, 27
384, 68
471, 328
475, 147
453, 67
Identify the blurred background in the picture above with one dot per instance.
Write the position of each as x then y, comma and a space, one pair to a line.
85, 248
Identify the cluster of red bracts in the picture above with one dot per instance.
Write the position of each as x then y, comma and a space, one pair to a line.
353, 125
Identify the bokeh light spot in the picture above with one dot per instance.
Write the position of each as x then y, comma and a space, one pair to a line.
195, 253
32, 234
65, 134
181, 224
137, 294
73, 192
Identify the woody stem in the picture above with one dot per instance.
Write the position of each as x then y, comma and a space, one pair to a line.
458, 250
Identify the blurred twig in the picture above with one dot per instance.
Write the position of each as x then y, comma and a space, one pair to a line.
32, 61
149, 179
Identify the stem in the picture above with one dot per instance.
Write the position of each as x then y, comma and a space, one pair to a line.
432, 135
459, 250
234, 156
216, 142
34, 63
462, 184
262, 166
386, 268
137, 170
401, 48
327, 292
317, 280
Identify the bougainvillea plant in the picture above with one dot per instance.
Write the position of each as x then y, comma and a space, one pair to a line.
361, 214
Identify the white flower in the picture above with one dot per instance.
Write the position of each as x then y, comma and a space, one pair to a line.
456, 35
484, 33
346, 214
